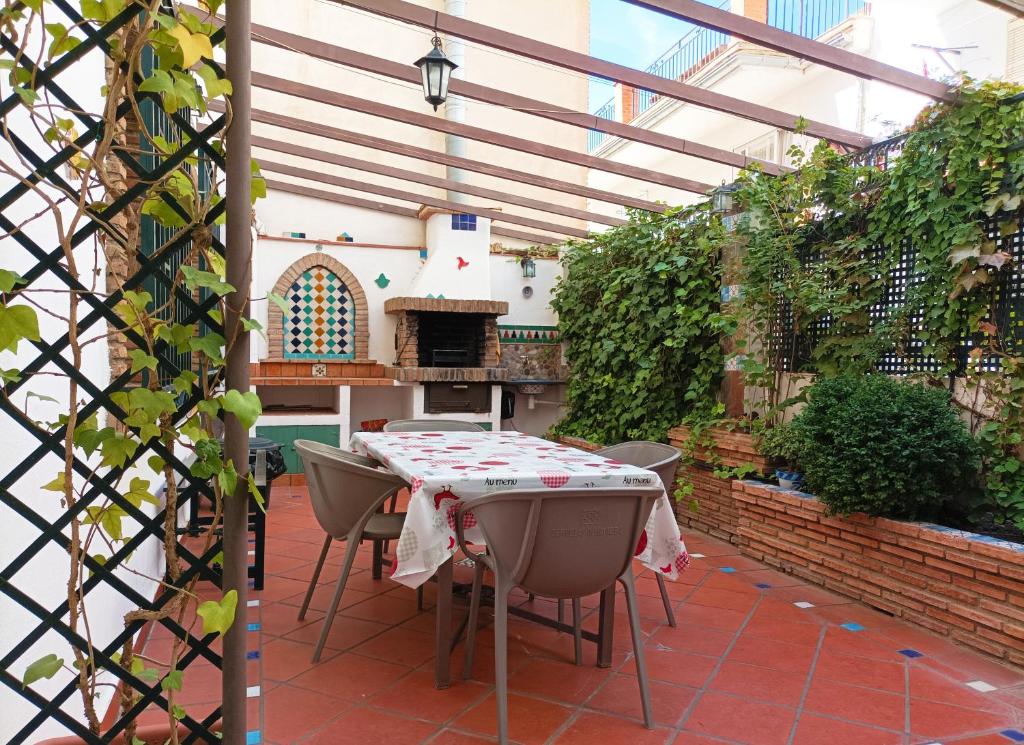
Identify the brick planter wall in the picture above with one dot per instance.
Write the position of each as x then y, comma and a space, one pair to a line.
958, 584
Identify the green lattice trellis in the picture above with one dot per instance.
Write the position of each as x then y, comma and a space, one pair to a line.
157, 263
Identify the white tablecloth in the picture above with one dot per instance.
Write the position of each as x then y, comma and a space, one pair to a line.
444, 469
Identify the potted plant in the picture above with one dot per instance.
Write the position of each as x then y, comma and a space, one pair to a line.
783, 444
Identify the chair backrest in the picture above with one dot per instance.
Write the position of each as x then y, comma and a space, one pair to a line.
343, 491
655, 456
333, 452
432, 425
563, 543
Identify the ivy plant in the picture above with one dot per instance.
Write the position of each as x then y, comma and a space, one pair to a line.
638, 310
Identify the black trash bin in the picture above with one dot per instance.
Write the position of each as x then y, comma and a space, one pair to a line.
264, 469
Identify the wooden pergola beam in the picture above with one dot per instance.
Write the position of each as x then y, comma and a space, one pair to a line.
410, 74
500, 139
788, 43
571, 60
432, 156
427, 180
394, 209
387, 191
1014, 7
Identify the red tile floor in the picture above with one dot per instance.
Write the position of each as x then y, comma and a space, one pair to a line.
758, 657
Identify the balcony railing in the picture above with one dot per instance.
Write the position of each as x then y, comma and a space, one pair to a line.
808, 18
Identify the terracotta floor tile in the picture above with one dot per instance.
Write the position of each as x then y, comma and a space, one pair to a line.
389, 609
862, 644
280, 589
280, 619
283, 659
936, 720
741, 720
557, 680
760, 683
878, 708
695, 639
416, 696
816, 730
591, 728
764, 652
345, 632
398, 645
691, 738
806, 634
708, 617
450, 737
531, 721
931, 686
292, 713
360, 726
737, 601
883, 676
322, 597
350, 676
621, 695
681, 668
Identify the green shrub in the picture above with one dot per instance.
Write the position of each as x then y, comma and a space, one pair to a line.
784, 442
877, 445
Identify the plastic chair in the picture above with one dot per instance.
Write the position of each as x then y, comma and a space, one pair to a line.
346, 492
560, 544
663, 460
432, 425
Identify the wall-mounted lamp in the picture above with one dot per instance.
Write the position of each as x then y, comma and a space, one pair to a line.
529, 267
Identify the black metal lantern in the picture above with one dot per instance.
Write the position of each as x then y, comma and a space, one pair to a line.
722, 201
529, 267
436, 70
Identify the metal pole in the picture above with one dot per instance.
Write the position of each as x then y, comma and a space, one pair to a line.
238, 248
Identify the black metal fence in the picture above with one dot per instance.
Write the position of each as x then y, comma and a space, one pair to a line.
796, 346
51, 355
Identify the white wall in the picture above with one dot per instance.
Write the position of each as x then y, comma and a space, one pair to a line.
45, 576
507, 283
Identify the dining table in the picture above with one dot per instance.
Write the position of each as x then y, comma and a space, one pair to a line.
445, 469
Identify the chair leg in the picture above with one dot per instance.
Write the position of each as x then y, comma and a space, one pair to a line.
501, 592
419, 598
378, 560
391, 508
561, 613
351, 547
316, 576
577, 630
638, 647
669, 613
474, 617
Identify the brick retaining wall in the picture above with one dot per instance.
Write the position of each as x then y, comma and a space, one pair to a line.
958, 584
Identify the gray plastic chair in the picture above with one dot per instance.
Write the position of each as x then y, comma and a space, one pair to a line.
432, 425
557, 543
663, 460
346, 492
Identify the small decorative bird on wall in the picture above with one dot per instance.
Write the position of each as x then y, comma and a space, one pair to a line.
462, 262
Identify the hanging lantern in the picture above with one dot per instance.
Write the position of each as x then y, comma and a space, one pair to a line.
722, 201
529, 267
436, 70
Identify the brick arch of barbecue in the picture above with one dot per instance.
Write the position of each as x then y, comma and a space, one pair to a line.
275, 332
